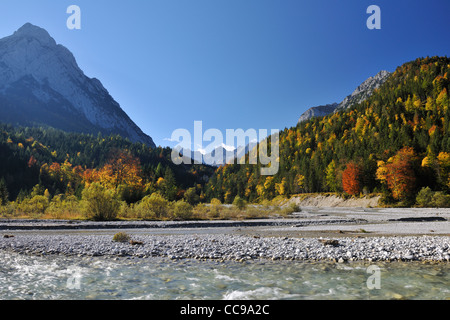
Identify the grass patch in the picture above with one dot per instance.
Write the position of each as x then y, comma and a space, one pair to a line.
121, 237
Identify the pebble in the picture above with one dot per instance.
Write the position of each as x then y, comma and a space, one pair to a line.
397, 296
236, 247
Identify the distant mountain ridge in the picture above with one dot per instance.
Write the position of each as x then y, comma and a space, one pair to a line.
41, 84
364, 91
318, 111
218, 156
361, 93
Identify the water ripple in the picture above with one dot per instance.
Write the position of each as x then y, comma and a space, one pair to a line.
61, 277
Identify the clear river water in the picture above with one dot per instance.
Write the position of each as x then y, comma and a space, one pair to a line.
88, 278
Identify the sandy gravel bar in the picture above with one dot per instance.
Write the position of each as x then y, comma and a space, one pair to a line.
88, 225
339, 234
236, 247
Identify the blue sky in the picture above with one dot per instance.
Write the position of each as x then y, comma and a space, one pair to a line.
234, 63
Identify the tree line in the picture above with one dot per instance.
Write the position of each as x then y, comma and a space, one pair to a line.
397, 142
47, 159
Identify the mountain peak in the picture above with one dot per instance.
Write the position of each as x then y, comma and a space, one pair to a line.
29, 30
362, 92
318, 111
41, 84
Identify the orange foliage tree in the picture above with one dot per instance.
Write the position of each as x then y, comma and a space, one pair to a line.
351, 178
64, 177
121, 169
398, 173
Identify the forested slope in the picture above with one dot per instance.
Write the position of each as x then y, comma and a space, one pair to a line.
396, 142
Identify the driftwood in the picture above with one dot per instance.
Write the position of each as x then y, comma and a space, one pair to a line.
136, 243
325, 242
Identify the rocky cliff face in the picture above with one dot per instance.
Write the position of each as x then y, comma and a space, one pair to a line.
361, 93
41, 84
319, 111
364, 91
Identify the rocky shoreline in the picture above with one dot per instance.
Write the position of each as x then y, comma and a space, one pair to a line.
321, 234
235, 247
52, 225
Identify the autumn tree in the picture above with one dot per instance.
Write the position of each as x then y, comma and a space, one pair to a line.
444, 168
182, 210
442, 100
100, 204
64, 177
32, 162
122, 174
331, 177
282, 187
351, 179
299, 182
121, 169
398, 173
152, 207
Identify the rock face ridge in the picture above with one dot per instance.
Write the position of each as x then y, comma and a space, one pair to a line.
364, 91
361, 93
42, 84
319, 111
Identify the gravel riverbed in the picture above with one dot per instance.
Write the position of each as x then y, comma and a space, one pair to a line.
353, 234
236, 247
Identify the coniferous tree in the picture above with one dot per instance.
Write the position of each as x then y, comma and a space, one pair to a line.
4, 194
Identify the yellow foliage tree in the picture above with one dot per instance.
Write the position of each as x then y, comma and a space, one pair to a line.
281, 187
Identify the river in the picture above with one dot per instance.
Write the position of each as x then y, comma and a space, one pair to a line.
58, 277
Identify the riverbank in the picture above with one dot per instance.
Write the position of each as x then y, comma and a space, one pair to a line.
334, 200
235, 247
337, 234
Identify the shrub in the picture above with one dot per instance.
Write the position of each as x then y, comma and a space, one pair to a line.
34, 206
62, 206
256, 212
121, 237
100, 204
427, 198
154, 206
239, 203
228, 213
201, 211
129, 193
191, 196
182, 210
126, 211
441, 200
424, 197
290, 209
8, 210
214, 209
